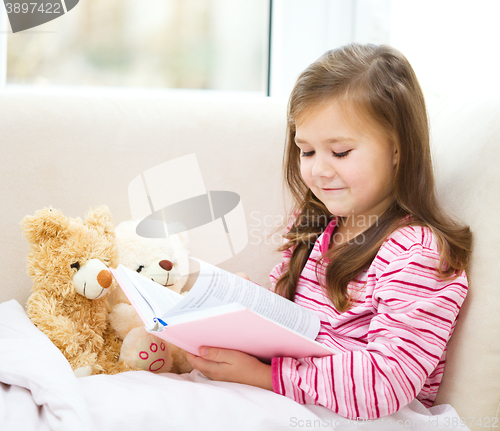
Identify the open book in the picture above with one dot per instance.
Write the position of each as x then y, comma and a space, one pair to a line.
224, 310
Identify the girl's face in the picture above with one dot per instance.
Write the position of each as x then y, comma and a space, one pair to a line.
350, 169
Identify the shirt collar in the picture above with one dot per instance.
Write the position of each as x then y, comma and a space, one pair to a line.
327, 234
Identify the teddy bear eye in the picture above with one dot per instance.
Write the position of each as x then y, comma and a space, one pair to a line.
141, 267
75, 265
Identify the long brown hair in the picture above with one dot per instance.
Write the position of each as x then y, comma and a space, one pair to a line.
380, 84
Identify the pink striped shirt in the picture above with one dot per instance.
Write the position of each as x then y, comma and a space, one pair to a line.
393, 339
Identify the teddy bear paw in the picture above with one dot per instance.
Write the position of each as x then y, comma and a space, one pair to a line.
146, 352
83, 371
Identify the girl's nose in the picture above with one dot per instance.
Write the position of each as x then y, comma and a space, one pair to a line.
322, 168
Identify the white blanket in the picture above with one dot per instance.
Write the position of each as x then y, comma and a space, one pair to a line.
38, 391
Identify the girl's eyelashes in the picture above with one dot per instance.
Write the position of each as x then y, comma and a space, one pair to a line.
342, 154
338, 155
306, 154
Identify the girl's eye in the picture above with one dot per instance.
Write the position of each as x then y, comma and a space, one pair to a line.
338, 155
343, 154
141, 267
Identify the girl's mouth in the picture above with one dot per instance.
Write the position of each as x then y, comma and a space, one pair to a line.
333, 190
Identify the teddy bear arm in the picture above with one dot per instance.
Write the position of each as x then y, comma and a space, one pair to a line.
123, 318
61, 331
108, 358
180, 363
72, 338
83, 360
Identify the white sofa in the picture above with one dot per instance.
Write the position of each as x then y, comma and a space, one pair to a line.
74, 152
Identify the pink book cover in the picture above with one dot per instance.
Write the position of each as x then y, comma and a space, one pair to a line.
236, 327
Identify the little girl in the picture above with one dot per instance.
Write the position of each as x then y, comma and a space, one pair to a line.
367, 247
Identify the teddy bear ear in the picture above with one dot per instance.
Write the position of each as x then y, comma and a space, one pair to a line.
99, 218
46, 223
184, 237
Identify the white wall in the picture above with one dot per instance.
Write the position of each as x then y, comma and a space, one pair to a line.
453, 45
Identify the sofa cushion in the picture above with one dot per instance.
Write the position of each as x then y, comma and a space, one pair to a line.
466, 149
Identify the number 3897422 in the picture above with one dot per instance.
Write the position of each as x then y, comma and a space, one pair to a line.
33, 8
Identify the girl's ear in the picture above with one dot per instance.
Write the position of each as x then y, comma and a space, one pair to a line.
395, 156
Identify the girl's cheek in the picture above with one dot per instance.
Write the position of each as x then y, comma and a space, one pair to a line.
304, 170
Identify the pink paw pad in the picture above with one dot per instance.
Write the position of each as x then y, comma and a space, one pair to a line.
155, 357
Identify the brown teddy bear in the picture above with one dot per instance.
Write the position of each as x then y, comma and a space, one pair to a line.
68, 261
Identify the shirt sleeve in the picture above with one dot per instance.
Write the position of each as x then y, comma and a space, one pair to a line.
414, 316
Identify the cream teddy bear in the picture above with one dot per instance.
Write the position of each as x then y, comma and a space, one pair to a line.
165, 261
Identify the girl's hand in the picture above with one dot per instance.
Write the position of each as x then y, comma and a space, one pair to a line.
242, 275
231, 366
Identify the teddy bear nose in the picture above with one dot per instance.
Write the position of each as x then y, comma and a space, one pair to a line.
166, 265
104, 279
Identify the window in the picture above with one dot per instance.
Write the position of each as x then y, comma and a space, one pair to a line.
196, 44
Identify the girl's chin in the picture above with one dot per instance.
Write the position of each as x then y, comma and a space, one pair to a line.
338, 211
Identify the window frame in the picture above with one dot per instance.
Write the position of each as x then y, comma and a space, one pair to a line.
291, 51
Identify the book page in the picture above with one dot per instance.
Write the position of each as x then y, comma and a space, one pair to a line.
215, 287
149, 298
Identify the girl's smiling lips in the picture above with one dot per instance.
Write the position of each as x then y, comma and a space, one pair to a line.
332, 189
